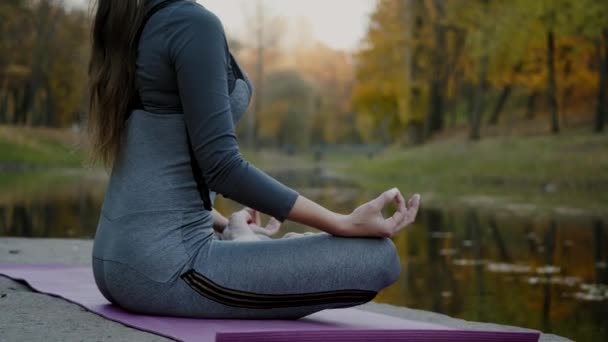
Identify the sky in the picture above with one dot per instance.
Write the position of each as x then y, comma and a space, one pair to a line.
340, 24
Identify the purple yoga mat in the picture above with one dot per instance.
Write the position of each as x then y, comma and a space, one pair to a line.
76, 284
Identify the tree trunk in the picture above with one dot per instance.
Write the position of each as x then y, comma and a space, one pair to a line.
39, 61
19, 116
602, 101
549, 244
415, 132
551, 83
504, 96
3, 106
49, 118
435, 116
605, 34
480, 93
531, 105
4, 96
438, 79
26, 100
505, 256
599, 238
469, 95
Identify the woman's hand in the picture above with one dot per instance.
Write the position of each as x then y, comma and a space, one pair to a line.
245, 225
367, 219
219, 221
255, 223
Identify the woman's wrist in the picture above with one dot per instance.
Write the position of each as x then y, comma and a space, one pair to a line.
309, 213
343, 225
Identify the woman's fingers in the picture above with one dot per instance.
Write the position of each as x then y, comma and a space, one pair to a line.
385, 198
273, 226
412, 211
255, 216
395, 220
252, 215
258, 230
241, 217
404, 215
411, 201
254, 221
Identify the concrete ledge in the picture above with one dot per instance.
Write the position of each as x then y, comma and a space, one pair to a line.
28, 316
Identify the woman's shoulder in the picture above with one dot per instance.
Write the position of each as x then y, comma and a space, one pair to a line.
193, 33
192, 15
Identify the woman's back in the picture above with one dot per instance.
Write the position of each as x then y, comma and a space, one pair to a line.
152, 217
153, 175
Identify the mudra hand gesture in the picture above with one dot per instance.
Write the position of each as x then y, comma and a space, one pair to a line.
367, 219
246, 225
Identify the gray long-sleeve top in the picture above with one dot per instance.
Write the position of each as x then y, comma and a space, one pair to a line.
184, 65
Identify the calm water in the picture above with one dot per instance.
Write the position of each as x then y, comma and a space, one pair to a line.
541, 272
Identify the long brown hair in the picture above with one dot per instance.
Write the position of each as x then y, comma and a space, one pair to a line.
112, 74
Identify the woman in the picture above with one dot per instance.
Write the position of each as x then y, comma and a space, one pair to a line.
164, 101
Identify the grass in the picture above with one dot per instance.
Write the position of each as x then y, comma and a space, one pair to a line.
39, 147
567, 172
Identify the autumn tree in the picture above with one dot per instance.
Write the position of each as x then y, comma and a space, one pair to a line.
331, 72
438, 79
266, 32
43, 49
544, 21
288, 111
590, 20
390, 92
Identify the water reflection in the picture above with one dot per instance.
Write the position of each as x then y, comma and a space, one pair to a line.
548, 273
481, 267
65, 211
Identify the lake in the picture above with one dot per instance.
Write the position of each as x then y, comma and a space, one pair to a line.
539, 271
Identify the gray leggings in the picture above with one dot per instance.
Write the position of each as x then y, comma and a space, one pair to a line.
268, 279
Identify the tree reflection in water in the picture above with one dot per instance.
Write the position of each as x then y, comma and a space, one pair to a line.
542, 272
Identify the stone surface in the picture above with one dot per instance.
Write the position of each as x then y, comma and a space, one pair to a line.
30, 316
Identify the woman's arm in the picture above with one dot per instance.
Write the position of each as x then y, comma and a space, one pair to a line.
366, 220
197, 49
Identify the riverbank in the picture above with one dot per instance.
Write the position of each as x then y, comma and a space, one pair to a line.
36, 147
565, 174
560, 175
29, 315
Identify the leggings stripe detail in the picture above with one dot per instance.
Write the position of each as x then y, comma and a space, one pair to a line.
209, 289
